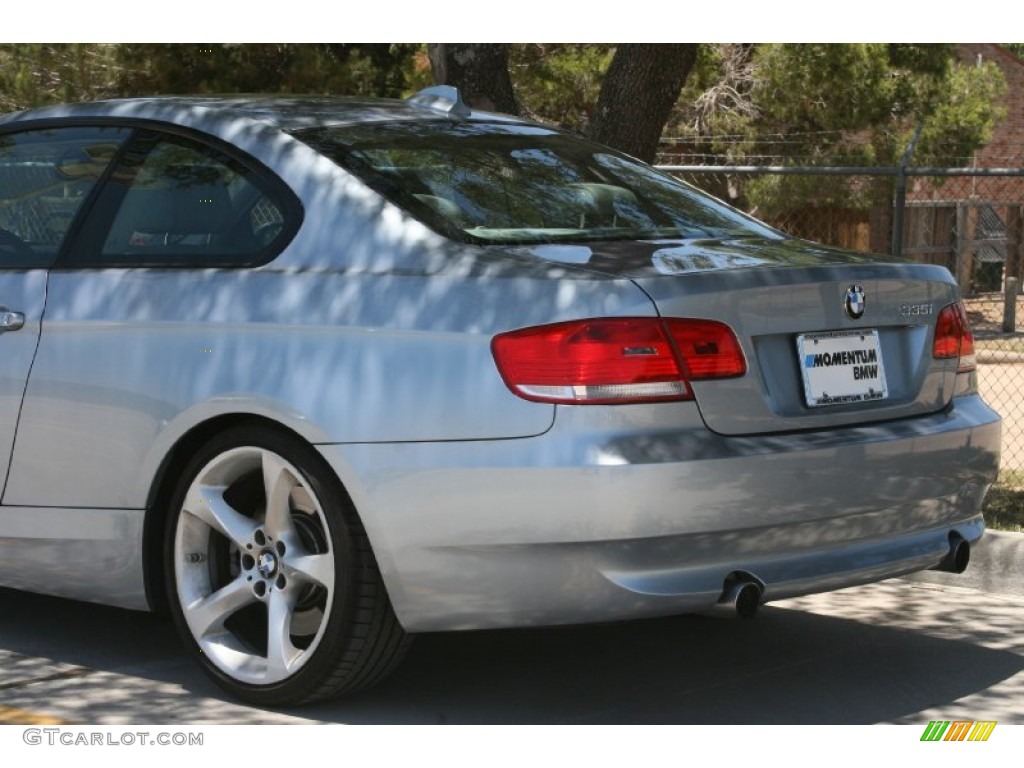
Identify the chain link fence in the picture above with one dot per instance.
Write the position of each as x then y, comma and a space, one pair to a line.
970, 221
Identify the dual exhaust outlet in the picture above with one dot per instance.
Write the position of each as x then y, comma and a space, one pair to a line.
743, 593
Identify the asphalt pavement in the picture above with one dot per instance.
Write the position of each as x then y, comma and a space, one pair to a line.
930, 646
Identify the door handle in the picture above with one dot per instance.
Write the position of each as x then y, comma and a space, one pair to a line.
11, 321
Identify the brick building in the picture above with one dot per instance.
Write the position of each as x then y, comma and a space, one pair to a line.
1006, 147
975, 224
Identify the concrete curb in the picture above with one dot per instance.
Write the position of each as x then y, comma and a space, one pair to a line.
1004, 550
996, 567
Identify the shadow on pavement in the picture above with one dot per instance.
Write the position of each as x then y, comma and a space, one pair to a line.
889, 655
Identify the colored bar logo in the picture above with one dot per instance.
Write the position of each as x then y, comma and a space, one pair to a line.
958, 730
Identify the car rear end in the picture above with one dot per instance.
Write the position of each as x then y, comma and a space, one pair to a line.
776, 419
676, 485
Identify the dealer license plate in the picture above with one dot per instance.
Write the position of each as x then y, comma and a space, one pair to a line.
841, 367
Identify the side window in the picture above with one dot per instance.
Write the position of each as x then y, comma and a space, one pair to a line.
45, 177
175, 202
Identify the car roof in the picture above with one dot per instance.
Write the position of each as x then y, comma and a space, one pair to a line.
284, 112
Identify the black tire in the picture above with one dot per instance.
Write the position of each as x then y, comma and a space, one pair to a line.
351, 635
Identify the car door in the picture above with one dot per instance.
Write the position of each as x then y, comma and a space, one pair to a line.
127, 344
46, 174
22, 295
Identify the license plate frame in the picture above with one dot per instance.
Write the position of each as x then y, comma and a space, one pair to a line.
842, 367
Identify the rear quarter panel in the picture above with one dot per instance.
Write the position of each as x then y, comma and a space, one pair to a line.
130, 360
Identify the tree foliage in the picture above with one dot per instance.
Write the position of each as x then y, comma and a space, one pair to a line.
744, 103
558, 82
961, 122
642, 81
34, 74
843, 101
345, 68
31, 75
855, 104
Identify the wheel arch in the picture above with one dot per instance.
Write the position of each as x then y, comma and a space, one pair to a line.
358, 639
165, 480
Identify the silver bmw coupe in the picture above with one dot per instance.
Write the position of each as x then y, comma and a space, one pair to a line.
316, 374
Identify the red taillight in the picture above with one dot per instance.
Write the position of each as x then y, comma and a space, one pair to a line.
953, 338
709, 350
616, 360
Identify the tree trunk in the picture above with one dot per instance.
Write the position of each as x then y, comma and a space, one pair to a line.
478, 70
641, 87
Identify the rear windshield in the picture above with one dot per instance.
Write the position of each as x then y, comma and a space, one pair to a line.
501, 183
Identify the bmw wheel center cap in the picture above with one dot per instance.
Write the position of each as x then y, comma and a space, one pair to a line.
267, 564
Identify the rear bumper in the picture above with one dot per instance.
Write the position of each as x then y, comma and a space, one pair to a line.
622, 512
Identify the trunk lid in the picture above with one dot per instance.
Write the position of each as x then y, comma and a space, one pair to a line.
787, 302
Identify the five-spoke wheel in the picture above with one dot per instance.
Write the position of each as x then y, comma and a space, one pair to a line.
268, 565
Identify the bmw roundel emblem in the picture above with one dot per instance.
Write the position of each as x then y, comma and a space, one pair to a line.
855, 302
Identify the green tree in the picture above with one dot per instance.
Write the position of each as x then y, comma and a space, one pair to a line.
637, 90
863, 101
559, 83
339, 68
33, 74
856, 104
822, 104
